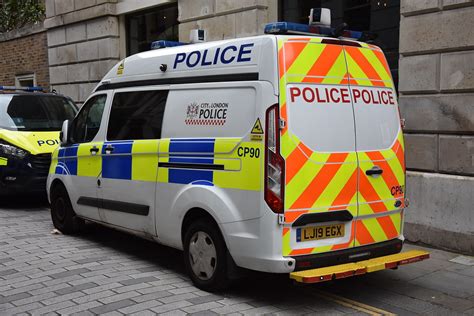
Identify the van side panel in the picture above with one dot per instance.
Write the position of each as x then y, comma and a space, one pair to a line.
207, 158
379, 140
317, 142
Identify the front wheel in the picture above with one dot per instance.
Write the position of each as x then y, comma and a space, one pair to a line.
205, 256
63, 215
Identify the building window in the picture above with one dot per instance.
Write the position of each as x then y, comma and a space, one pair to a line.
378, 16
145, 27
25, 80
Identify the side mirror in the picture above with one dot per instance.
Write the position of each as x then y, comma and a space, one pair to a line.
64, 133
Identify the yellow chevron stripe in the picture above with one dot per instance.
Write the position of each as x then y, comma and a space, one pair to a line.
337, 72
302, 179
373, 226
337, 183
379, 185
304, 61
394, 164
287, 144
377, 65
357, 73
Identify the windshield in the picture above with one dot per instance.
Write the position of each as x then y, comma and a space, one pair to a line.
35, 112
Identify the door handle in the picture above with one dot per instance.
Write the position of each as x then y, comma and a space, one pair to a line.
374, 172
94, 150
109, 149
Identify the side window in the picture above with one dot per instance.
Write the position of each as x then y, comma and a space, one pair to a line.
137, 115
87, 122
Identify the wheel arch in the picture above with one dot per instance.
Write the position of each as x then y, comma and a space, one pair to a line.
54, 184
194, 214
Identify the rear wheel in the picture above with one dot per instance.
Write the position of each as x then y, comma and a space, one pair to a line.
205, 256
63, 215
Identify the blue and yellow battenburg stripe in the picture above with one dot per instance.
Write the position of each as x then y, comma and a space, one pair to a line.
138, 160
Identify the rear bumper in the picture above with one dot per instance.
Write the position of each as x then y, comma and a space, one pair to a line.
348, 255
358, 268
26, 175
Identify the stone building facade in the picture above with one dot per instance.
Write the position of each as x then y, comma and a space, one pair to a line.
437, 99
83, 44
87, 37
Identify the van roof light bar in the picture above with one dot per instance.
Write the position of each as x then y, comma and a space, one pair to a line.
30, 89
165, 44
312, 30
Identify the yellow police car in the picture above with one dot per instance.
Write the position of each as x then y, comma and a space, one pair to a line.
30, 123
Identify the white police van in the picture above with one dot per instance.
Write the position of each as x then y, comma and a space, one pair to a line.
276, 153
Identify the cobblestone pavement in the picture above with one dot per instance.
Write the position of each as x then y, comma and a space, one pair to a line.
107, 272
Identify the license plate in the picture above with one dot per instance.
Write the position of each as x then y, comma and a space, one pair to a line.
320, 232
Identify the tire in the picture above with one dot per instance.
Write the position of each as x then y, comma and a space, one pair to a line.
63, 215
205, 256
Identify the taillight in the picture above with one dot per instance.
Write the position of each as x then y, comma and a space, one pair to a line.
274, 162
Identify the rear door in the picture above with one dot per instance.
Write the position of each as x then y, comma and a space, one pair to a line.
379, 142
318, 145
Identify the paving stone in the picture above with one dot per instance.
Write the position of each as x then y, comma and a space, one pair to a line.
175, 298
52, 308
204, 313
14, 297
151, 296
140, 307
23, 308
68, 273
176, 312
79, 308
94, 296
232, 308
112, 306
447, 282
7, 272
119, 297
172, 306
201, 307
144, 313
72, 289
139, 280
34, 298
204, 299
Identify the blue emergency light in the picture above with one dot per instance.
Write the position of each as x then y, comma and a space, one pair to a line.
305, 29
165, 44
30, 89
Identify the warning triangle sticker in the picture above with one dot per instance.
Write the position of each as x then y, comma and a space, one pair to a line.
257, 127
120, 69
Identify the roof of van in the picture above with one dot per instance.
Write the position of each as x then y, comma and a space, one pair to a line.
249, 58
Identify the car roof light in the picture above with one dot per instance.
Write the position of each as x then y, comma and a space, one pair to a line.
312, 30
31, 89
165, 44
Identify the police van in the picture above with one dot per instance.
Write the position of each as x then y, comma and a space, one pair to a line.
30, 122
279, 153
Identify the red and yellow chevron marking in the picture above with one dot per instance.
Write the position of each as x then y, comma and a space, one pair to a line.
367, 67
324, 182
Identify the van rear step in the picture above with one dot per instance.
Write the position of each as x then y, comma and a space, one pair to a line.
357, 268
